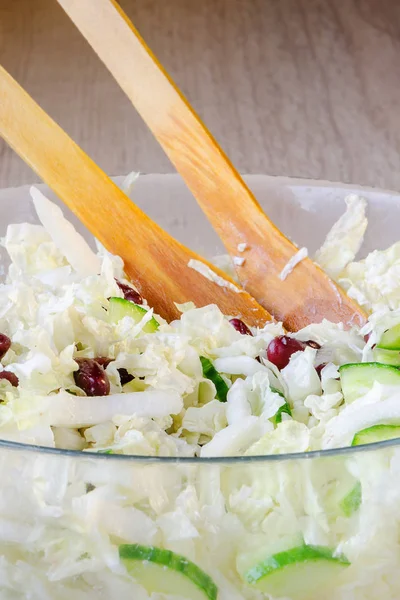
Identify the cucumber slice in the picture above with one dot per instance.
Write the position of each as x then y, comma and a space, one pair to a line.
253, 551
376, 433
358, 378
120, 308
296, 573
387, 357
340, 490
211, 373
165, 572
352, 501
390, 339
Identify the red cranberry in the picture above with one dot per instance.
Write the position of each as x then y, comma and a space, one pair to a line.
281, 348
240, 326
91, 377
11, 377
5, 345
129, 293
125, 376
319, 368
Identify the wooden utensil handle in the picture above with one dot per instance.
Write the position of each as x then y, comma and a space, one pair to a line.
154, 260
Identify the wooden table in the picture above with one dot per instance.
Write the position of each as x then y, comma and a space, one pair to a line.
301, 87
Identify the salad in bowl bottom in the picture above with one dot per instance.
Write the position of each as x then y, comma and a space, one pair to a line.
198, 459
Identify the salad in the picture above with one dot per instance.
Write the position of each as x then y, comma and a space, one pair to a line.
88, 366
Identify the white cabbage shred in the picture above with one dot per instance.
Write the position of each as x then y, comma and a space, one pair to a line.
345, 238
373, 282
63, 517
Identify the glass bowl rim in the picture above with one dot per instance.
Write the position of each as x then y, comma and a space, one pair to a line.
205, 460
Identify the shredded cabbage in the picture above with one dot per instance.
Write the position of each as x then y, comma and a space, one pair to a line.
345, 238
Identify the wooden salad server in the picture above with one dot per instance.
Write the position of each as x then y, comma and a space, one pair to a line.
307, 294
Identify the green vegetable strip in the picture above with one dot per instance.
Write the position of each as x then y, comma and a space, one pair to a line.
295, 555
170, 560
351, 503
285, 408
209, 372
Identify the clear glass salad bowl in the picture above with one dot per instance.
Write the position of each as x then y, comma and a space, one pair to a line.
297, 526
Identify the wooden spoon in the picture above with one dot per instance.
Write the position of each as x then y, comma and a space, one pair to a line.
155, 261
307, 295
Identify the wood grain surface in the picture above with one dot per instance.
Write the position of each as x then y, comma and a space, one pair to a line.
298, 87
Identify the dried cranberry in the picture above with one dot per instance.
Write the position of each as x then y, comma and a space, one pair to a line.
125, 376
281, 348
91, 377
11, 377
319, 368
240, 326
129, 293
313, 344
5, 345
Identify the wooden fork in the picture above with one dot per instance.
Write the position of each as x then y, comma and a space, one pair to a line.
155, 261
307, 295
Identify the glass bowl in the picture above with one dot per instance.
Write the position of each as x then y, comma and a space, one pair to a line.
85, 526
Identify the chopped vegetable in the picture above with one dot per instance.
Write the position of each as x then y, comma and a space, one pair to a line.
163, 571
358, 378
377, 433
212, 374
120, 308
352, 501
296, 573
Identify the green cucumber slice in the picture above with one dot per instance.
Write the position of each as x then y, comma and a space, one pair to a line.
296, 573
341, 491
387, 357
120, 308
253, 551
358, 378
165, 572
211, 373
352, 501
390, 339
376, 433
